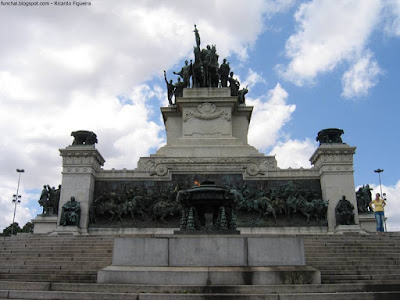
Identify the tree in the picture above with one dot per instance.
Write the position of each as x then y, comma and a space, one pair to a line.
28, 228
12, 228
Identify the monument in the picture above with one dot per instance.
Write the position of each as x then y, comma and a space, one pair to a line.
206, 194
206, 124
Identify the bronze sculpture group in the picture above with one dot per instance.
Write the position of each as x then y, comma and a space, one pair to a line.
134, 203
139, 205
286, 200
364, 198
205, 71
50, 199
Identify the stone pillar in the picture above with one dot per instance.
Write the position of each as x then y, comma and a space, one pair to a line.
335, 164
80, 165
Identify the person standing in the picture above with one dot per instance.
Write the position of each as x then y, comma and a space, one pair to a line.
378, 205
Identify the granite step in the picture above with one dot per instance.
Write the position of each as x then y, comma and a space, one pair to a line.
237, 289
12, 294
46, 290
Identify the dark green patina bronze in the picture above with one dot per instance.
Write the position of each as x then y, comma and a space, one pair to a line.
344, 212
330, 136
258, 203
205, 71
71, 213
49, 200
211, 200
84, 137
364, 198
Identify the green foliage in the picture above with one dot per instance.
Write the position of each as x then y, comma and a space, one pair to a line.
28, 228
12, 228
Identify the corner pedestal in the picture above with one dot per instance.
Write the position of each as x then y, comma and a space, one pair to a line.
209, 260
368, 221
334, 163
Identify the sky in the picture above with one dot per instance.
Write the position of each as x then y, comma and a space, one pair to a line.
99, 65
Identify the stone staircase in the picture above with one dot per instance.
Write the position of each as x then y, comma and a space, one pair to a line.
54, 258
354, 258
65, 267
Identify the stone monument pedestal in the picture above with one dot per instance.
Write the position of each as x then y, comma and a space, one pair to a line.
209, 260
368, 221
44, 224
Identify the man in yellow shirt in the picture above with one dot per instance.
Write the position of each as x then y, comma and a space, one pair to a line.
378, 205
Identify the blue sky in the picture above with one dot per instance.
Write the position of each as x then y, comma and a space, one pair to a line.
309, 64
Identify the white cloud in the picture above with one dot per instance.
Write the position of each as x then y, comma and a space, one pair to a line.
392, 209
270, 114
294, 153
328, 33
278, 6
361, 76
392, 20
252, 79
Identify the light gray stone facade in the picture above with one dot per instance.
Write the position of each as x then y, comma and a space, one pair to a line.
207, 134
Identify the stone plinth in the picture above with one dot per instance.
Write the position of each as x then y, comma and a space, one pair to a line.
334, 163
202, 259
368, 221
44, 224
207, 122
208, 251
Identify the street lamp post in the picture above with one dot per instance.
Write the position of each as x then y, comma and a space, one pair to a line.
379, 171
16, 198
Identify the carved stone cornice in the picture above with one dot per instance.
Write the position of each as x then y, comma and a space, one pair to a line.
251, 166
333, 157
81, 159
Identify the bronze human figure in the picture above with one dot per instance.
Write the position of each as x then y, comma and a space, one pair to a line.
196, 36
179, 88
43, 200
185, 73
241, 95
71, 213
170, 88
224, 70
344, 212
234, 85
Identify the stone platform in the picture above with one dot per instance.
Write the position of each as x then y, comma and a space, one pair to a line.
65, 267
209, 260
